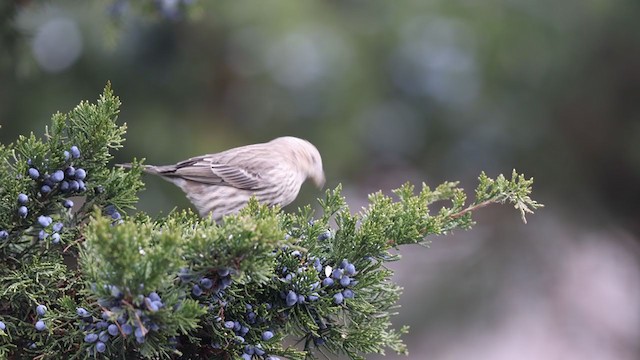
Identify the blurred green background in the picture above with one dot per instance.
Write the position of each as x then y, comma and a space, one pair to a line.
391, 91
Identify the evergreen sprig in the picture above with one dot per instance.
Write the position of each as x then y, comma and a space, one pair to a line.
83, 281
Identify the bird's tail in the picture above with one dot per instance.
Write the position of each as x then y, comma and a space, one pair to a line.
149, 169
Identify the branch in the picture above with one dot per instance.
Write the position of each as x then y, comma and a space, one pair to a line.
473, 208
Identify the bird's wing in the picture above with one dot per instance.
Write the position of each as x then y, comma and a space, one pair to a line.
237, 177
205, 170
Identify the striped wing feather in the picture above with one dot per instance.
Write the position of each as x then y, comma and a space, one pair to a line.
203, 170
237, 177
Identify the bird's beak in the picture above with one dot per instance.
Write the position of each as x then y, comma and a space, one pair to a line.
319, 180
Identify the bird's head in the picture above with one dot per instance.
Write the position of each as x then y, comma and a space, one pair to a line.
307, 157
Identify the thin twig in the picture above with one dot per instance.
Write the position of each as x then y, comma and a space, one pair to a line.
472, 208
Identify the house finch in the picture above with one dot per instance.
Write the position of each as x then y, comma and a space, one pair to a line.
222, 183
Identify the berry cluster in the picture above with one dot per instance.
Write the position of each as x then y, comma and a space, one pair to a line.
113, 212
48, 225
306, 280
22, 211
67, 180
242, 328
336, 282
342, 275
243, 322
120, 317
309, 279
41, 310
95, 331
250, 352
210, 284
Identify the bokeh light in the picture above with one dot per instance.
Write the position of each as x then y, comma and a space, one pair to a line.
57, 45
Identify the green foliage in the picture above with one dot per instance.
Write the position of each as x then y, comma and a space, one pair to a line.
186, 287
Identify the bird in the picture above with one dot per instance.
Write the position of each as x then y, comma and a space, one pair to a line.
222, 183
